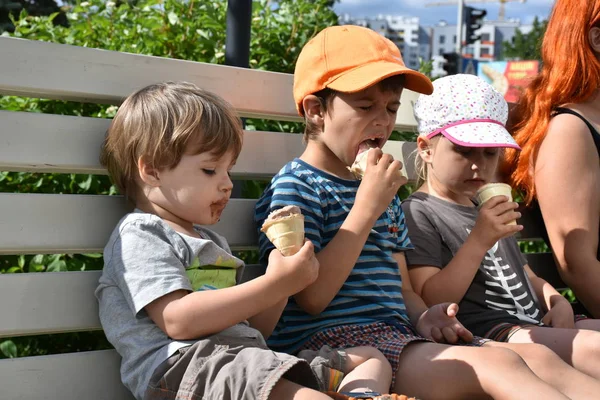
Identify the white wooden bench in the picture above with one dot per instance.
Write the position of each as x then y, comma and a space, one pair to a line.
58, 302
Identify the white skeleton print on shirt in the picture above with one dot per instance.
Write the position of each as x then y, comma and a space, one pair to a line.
506, 292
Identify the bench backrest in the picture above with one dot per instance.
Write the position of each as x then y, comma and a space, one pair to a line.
57, 302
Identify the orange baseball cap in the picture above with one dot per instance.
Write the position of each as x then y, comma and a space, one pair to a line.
348, 59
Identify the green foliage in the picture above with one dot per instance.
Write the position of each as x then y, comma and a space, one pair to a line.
8, 349
53, 344
533, 246
426, 67
526, 46
10, 8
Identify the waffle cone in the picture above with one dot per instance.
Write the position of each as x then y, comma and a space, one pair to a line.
490, 190
359, 166
286, 234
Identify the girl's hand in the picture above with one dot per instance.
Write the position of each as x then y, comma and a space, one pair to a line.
560, 315
294, 272
492, 222
439, 323
380, 183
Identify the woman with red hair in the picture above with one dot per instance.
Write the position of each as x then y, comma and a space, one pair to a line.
557, 125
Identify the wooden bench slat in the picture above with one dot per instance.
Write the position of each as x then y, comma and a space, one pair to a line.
37, 143
54, 223
58, 71
57, 302
39, 295
64, 72
48, 302
34, 142
75, 376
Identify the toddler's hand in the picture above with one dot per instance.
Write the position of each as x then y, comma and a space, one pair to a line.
295, 272
492, 222
380, 183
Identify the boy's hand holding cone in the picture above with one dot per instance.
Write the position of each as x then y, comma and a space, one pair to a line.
285, 229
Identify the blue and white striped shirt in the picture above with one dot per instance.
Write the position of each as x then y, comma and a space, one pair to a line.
373, 290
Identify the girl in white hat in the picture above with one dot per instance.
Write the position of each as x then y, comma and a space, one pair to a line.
465, 252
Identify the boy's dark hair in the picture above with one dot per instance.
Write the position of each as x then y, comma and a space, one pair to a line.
393, 83
161, 123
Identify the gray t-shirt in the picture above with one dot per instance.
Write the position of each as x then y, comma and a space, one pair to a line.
500, 291
144, 260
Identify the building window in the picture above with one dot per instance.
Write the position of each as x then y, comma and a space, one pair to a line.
485, 37
442, 39
441, 52
454, 39
485, 51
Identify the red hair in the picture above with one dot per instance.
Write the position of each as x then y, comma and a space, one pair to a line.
570, 74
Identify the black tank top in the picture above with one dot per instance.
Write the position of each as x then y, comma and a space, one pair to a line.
535, 208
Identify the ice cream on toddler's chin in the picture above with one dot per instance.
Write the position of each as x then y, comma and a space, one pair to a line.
490, 190
285, 229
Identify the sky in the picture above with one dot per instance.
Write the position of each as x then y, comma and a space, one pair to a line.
525, 11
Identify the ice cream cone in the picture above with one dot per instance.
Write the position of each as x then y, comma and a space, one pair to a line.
285, 229
490, 190
359, 166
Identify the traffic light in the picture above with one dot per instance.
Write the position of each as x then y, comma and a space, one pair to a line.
473, 21
452, 64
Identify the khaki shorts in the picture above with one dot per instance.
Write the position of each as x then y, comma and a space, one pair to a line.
226, 368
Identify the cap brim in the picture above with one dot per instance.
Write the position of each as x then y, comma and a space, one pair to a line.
478, 134
366, 75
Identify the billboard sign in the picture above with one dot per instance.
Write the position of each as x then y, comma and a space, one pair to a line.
508, 77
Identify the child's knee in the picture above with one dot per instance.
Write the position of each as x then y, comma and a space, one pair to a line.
361, 354
541, 354
588, 344
502, 358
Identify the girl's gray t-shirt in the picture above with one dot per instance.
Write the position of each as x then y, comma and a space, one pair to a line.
500, 291
144, 260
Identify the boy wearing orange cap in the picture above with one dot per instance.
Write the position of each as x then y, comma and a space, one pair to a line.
347, 85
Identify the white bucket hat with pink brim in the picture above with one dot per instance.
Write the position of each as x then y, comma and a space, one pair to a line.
466, 110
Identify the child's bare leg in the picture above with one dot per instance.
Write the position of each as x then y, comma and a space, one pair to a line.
546, 364
591, 324
437, 371
579, 348
366, 369
288, 390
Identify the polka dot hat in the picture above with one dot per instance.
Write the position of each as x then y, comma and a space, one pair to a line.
466, 110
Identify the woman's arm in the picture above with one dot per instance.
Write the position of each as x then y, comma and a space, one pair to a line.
567, 182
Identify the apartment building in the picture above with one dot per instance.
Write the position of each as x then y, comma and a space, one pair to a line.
429, 43
412, 39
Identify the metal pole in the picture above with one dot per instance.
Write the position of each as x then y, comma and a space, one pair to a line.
459, 26
237, 49
237, 41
